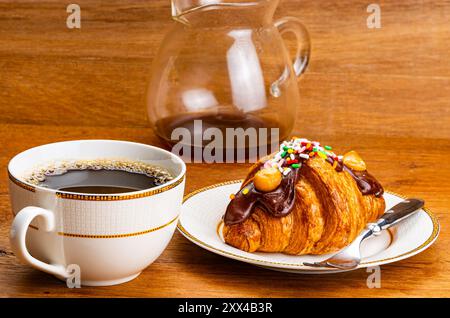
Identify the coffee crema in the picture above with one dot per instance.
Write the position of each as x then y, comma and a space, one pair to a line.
102, 176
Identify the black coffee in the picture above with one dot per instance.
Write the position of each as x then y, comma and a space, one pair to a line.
99, 181
100, 177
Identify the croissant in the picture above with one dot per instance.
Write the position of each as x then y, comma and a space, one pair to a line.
303, 200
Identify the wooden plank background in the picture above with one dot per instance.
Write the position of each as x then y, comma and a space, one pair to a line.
384, 92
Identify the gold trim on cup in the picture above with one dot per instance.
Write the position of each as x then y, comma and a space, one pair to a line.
180, 227
118, 235
90, 197
111, 235
21, 184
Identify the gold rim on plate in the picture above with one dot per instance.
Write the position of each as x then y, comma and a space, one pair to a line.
412, 252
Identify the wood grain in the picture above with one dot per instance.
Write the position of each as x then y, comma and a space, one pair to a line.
383, 92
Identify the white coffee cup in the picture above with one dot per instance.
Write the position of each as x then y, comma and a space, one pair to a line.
110, 237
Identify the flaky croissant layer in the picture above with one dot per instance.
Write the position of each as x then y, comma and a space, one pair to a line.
329, 212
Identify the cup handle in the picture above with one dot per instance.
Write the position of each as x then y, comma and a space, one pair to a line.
291, 24
17, 237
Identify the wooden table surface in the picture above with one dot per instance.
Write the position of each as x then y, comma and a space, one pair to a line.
384, 92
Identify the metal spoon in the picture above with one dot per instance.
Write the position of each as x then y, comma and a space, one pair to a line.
350, 257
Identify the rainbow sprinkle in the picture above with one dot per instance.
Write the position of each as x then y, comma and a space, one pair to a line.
293, 152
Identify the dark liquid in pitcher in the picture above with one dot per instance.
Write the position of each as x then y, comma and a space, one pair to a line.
165, 126
99, 181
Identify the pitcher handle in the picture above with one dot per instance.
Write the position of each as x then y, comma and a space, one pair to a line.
291, 24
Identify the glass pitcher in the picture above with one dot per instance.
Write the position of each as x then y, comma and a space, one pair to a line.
225, 63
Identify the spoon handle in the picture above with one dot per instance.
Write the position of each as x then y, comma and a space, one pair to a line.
399, 212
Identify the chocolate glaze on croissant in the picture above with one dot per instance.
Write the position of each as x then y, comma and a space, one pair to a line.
319, 207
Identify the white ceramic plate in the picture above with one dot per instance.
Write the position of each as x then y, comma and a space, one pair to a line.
203, 209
